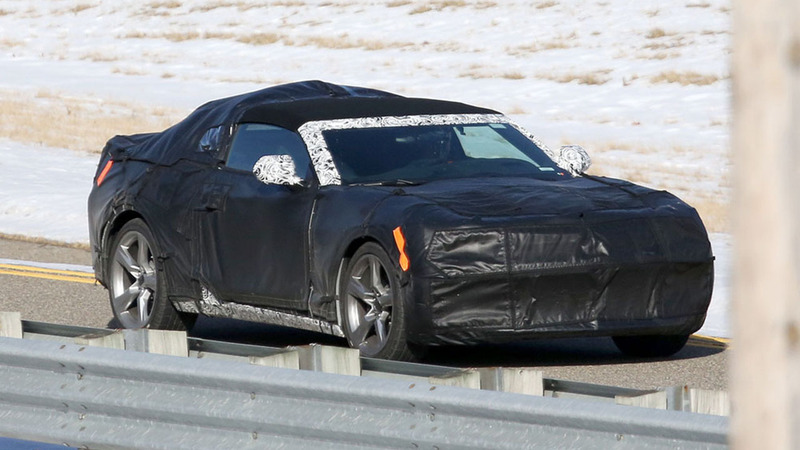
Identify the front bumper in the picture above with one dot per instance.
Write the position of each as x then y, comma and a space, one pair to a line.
652, 299
634, 275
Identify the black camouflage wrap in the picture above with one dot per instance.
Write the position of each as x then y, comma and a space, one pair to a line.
491, 260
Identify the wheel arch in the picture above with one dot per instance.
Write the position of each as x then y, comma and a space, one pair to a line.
347, 255
110, 232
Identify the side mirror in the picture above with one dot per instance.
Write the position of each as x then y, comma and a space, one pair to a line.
277, 169
574, 158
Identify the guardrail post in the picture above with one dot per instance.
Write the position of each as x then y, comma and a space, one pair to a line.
329, 359
704, 401
164, 342
10, 324
519, 380
654, 400
468, 378
678, 398
289, 359
113, 339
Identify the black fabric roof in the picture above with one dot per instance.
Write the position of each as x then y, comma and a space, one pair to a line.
292, 115
289, 106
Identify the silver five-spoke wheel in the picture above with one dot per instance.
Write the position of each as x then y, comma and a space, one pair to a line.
137, 294
369, 305
373, 305
133, 280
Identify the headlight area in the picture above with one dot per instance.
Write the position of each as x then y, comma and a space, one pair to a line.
467, 252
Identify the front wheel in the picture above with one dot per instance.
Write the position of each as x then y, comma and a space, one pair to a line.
373, 304
136, 289
651, 345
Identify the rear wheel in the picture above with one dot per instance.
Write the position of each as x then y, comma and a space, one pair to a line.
373, 305
651, 345
136, 289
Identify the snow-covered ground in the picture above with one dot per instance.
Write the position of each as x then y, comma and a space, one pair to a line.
643, 85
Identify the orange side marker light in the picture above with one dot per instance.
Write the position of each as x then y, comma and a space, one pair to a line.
103, 174
400, 240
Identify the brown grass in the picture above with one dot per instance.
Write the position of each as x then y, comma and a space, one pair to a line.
698, 5
260, 38
593, 79
656, 33
559, 42
97, 56
398, 3
342, 41
513, 76
181, 36
438, 6
53, 119
165, 4
685, 78
10, 43
523, 50
81, 7
128, 71
480, 71
659, 55
210, 6
547, 4
240, 5
714, 212
39, 240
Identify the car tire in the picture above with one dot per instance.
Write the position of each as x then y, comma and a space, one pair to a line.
137, 287
651, 345
373, 305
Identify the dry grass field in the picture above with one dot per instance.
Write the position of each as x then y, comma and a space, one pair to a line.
58, 120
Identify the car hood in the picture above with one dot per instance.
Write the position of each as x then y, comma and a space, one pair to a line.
511, 225
521, 197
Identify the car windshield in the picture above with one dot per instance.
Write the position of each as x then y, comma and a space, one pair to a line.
416, 154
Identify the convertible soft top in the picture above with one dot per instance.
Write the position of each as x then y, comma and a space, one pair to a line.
288, 106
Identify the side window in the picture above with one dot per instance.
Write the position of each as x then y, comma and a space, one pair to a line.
254, 140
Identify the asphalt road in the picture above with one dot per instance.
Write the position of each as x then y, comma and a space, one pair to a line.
589, 360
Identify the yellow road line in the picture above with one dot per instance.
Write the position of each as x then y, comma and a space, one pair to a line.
49, 274
21, 268
699, 340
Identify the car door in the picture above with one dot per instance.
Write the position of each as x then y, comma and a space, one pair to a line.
253, 236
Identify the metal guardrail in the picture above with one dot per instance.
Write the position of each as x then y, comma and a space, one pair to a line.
98, 397
206, 348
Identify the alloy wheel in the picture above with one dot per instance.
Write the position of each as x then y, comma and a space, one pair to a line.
134, 280
369, 301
